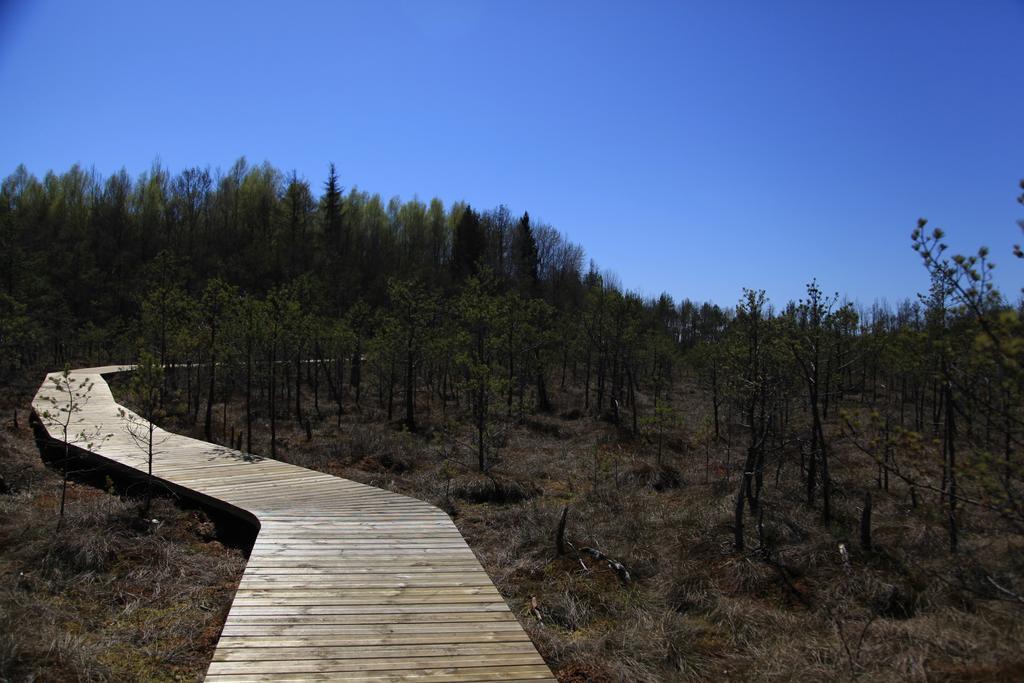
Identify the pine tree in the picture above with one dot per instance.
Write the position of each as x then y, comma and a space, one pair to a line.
526, 258
469, 245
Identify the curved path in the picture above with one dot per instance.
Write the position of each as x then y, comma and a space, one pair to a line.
345, 581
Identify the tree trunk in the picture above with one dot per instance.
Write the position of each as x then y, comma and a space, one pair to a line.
632, 398
714, 397
410, 392
248, 394
865, 523
298, 386
208, 423
272, 393
738, 517
316, 380
391, 389
356, 378
950, 438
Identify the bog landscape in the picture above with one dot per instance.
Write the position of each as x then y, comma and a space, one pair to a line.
262, 424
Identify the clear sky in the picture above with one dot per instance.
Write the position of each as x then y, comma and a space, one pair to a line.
692, 147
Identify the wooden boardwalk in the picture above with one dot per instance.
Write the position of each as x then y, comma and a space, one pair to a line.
345, 581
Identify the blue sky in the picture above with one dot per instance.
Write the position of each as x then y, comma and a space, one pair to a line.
691, 147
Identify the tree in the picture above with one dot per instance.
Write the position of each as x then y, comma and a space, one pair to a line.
813, 345
251, 321
662, 419
335, 256
299, 209
479, 315
17, 334
145, 390
341, 343
67, 397
190, 206
411, 314
164, 307
282, 315
440, 236
359, 322
752, 349
963, 298
517, 339
709, 359
468, 247
660, 352
215, 307
526, 257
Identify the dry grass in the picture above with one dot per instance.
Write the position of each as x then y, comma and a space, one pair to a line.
694, 609
109, 596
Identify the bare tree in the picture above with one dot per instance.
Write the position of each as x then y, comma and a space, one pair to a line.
145, 391
70, 395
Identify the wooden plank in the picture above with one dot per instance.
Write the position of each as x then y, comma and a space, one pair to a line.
372, 652
328, 639
316, 665
428, 618
449, 675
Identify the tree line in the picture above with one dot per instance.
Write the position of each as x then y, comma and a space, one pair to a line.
246, 283
245, 279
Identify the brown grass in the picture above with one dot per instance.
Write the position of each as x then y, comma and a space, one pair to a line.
109, 595
695, 609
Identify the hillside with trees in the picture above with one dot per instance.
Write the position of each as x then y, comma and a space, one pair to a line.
663, 490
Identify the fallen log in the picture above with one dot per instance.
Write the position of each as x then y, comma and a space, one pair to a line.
615, 565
